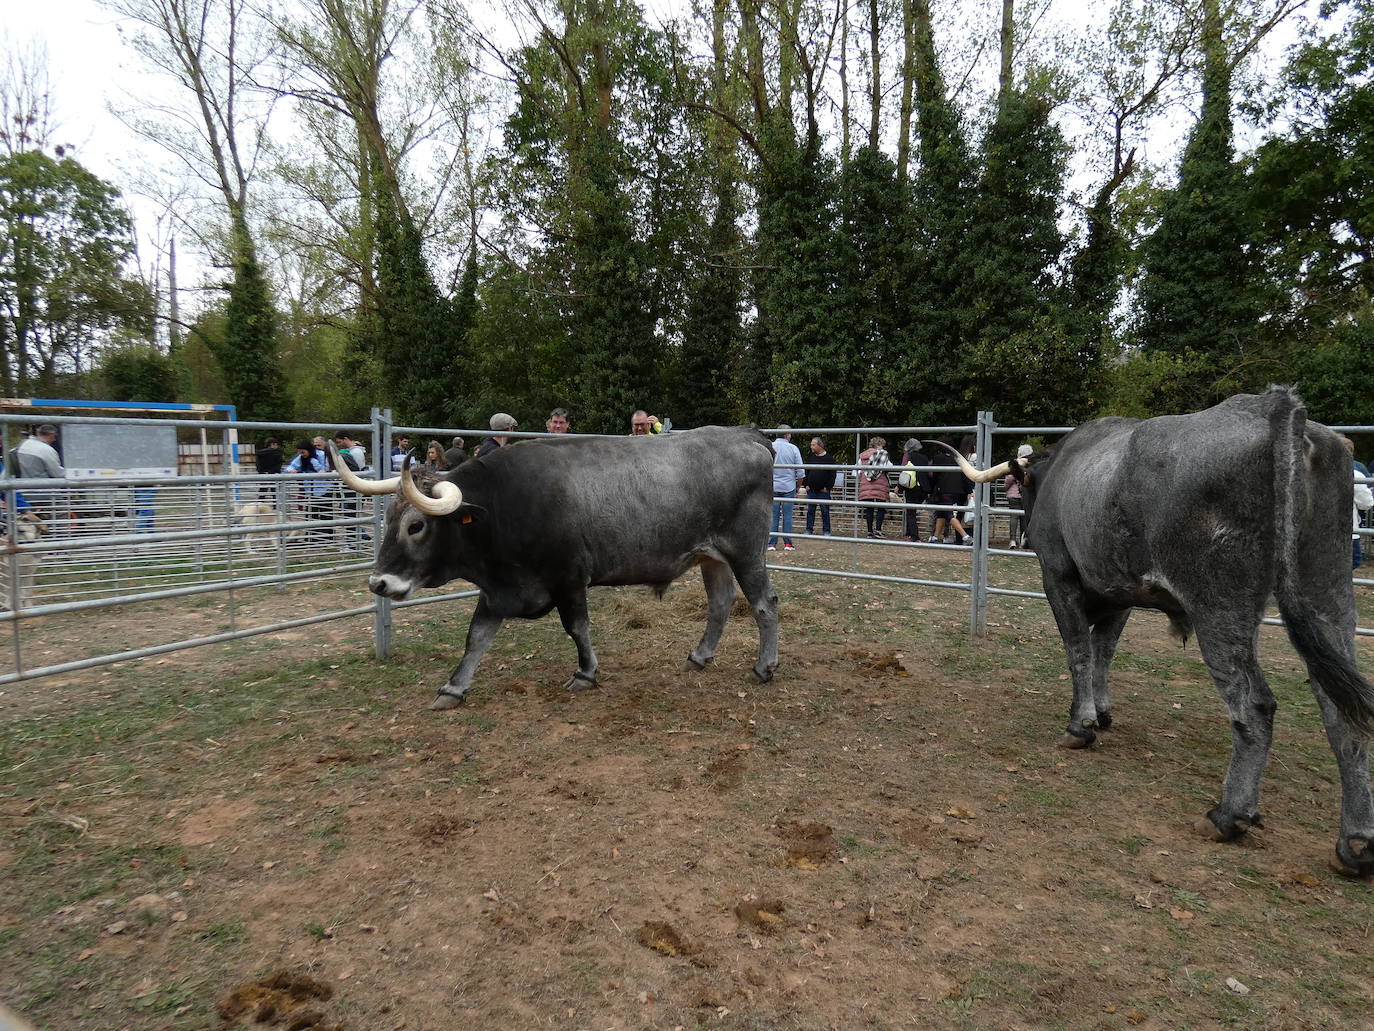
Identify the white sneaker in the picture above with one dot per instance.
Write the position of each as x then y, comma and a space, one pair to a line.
772, 547
968, 539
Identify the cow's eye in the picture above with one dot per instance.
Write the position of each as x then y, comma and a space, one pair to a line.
415, 526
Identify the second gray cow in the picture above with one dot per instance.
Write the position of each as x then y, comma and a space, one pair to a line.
536, 523
1205, 517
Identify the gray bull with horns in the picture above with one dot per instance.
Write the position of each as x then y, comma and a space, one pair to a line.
1205, 517
535, 524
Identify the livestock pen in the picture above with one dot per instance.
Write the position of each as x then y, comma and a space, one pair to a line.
273, 829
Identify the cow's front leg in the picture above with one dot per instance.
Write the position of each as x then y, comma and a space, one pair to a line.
720, 598
1067, 604
572, 612
481, 631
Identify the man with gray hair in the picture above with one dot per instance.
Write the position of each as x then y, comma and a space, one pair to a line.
37, 457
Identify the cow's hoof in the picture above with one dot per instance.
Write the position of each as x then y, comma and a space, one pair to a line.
1104, 720
579, 681
1077, 739
1215, 827
692, 666
1205, 828
763, 677
445, 701
1354, 857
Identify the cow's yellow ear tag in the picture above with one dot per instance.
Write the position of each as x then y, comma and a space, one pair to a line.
466, 518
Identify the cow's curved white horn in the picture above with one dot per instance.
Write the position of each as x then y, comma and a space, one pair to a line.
447, 497
353, 480
979, 475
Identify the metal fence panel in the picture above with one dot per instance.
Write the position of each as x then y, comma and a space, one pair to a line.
87, 547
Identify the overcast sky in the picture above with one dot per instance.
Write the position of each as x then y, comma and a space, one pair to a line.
87, 63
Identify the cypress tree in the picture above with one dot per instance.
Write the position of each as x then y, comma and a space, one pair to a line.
410, 331
712, 335
1197, 299
940, 319
800, 347
612, 330
872, 290
247, 353
1022, 361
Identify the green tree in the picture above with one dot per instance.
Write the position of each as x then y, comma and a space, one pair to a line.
1024, 359
603, 156
64, 242
138, 372
1200, 292
941, 202
248, 353
869, 384
1312, 194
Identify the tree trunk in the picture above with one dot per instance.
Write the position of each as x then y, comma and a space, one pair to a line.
1007, 43
876, 80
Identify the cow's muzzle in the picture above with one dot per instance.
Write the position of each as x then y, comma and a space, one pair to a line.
388, 586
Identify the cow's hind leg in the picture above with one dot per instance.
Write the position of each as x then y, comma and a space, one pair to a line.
1230, 654
1106, 632
481, 631
1068, 604
752, 575
572, 612
1355, 846
720, 598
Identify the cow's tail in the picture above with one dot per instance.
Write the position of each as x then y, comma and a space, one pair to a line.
1315, 635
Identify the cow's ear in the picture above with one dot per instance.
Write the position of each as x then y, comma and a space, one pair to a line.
1019, 471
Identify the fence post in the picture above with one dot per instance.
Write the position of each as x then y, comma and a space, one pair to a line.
381, 465
978, 577
14, 589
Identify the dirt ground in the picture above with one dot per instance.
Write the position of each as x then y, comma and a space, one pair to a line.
277, 833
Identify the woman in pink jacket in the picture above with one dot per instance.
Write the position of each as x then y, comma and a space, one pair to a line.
873, 484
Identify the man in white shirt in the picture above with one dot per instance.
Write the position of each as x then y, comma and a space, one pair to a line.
37, 456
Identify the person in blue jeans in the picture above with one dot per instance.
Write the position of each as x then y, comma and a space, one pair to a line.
818, 483
786, 476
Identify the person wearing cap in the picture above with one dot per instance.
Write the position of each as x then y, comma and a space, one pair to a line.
501, 423
557, 421
1016, 528
786, 478
915, 485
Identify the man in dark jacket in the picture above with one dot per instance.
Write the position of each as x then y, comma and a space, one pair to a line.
818, 484
267, 460
455, 455
951, 488
915, 484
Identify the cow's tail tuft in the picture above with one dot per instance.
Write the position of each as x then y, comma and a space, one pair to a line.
1330, 661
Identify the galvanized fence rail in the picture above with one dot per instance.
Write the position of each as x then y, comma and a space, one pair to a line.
117, 541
